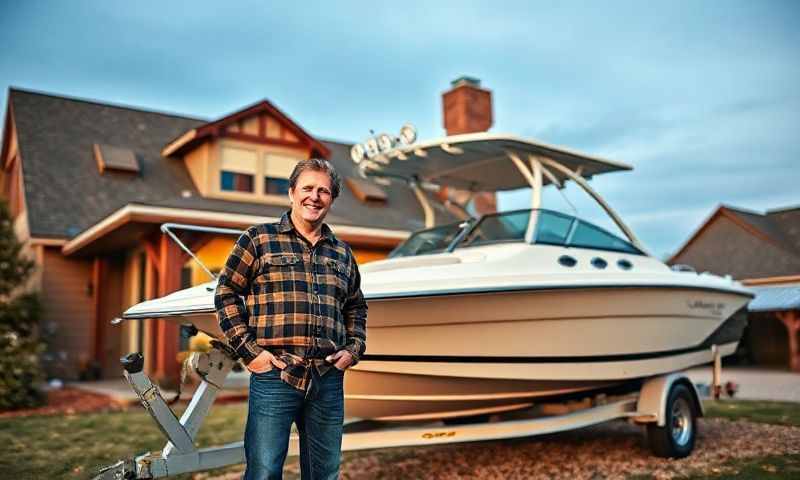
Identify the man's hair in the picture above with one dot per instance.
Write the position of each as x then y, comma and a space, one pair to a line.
317, 165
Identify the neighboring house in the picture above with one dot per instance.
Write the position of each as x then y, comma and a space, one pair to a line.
763, 252
90, 183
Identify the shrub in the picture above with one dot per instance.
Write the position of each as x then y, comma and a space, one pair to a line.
20, 371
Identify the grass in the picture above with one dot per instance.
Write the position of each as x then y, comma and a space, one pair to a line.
74, 446
776, 413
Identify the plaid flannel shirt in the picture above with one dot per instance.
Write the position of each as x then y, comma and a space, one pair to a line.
301, 302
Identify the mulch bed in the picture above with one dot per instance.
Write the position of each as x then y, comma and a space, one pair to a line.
68, 401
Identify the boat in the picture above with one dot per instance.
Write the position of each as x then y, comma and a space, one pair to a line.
511, 309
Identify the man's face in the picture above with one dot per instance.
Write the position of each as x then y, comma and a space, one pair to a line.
311, 197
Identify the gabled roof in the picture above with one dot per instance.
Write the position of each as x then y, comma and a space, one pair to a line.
763, 225
66, 194
757, 224
191, 138
778, 231
788, 220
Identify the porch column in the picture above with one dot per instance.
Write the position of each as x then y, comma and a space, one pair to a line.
791, 320
167, 368
98, 273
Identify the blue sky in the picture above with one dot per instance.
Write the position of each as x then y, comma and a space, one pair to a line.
701, 97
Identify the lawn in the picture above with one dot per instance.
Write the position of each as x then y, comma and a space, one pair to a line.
74, 446
776, 413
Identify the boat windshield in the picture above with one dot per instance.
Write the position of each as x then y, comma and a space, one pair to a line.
553, 228
431, 240
556, 228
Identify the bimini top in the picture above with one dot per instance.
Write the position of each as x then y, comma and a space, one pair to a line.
479, 161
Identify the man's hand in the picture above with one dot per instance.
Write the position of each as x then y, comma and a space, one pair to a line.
341, 359
265, 362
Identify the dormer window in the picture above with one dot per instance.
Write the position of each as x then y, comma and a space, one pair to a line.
236, 182
246, 156
238, 170
277, 170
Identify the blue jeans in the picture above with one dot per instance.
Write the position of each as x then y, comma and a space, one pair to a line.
319, 413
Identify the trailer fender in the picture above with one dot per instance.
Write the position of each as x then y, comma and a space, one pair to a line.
651, 406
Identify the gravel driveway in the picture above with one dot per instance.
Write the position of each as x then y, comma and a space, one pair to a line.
614, 450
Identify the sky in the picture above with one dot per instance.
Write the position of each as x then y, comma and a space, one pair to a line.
702, 98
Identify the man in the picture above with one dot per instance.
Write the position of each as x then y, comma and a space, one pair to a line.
301, 325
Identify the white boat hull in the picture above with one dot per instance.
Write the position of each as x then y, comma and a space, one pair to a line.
429, 356
469, 354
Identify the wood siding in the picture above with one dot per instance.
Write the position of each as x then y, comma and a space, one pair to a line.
68, 313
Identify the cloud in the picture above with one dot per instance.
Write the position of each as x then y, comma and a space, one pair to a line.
700, 97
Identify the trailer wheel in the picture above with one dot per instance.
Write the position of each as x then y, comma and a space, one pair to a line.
676, 438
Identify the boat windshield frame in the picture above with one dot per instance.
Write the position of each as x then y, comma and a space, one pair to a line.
463, 226
470, 226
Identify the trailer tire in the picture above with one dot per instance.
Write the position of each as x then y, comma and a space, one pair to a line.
677, 437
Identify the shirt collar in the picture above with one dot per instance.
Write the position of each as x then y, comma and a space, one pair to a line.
285, 225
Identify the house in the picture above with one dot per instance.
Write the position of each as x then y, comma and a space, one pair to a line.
89, 184
763, 252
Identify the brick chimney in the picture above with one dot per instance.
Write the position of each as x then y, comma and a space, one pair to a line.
467, 107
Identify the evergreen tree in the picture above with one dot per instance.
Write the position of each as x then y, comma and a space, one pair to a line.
20, 371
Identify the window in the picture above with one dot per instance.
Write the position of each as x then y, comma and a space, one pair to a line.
553, 228
276, 186
277, 170
236, 182
432, 240
499, 227
237, 170
590, 236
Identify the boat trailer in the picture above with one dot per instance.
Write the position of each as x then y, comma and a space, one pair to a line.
668, 404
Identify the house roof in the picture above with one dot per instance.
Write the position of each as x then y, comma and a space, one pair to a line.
65, 193
765, 225
779, 230
775, 298
788, 220
191, 138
